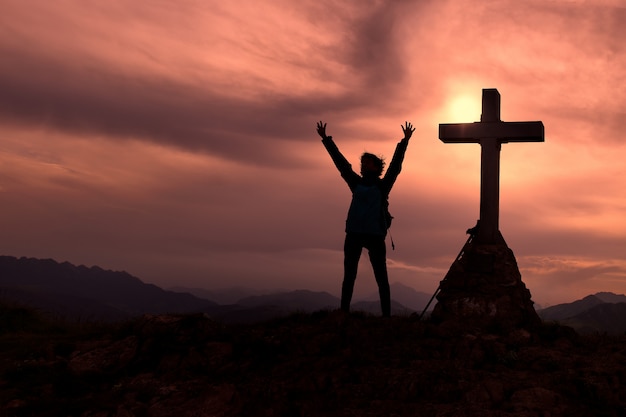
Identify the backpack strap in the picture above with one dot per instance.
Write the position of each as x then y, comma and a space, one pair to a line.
384, 213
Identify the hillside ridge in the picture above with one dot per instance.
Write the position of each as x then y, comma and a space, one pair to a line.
326, 364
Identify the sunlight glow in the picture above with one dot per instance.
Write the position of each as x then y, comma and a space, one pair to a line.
464, 109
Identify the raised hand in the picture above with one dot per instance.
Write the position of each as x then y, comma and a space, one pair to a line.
321, 129
408, 130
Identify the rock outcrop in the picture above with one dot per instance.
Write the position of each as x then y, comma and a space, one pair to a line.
484, 289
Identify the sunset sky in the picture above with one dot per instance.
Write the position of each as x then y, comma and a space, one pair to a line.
176, 140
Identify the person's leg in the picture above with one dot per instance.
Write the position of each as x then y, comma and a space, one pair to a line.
378, 258
352, 253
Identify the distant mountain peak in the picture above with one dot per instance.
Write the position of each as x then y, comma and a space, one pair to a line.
87, 292
610, 297
603, 311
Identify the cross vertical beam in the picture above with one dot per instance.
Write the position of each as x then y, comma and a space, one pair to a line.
490, 170
490, 133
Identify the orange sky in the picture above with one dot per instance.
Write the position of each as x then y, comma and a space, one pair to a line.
176, 139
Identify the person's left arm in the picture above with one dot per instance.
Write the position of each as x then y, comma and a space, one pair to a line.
340, 161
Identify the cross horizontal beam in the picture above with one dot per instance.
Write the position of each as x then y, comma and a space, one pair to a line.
504, 131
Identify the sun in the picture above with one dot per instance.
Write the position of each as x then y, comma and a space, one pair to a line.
464, 109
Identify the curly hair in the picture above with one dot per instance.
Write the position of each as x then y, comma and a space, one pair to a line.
377, 160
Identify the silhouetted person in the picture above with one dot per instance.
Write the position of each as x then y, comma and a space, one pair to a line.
366, 225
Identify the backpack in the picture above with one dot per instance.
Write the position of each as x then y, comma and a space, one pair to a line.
369, 210
387, 217
384, 208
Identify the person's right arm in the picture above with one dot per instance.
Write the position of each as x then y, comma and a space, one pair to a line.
398, 156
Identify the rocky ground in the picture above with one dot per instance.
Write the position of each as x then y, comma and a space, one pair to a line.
321, 364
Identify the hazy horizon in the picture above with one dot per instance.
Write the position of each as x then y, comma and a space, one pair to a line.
364, 291
176, 140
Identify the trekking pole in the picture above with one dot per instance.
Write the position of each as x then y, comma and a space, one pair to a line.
471, 233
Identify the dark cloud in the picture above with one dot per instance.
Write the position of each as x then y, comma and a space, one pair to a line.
40, 91
86, 95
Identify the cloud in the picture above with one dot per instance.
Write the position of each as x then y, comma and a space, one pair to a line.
178, 139
119, 94
549, 278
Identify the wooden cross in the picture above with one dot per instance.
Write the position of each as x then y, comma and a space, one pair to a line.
491, 133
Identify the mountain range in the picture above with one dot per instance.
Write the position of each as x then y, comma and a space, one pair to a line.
600, 312
70, 291
92, 293
405, 298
